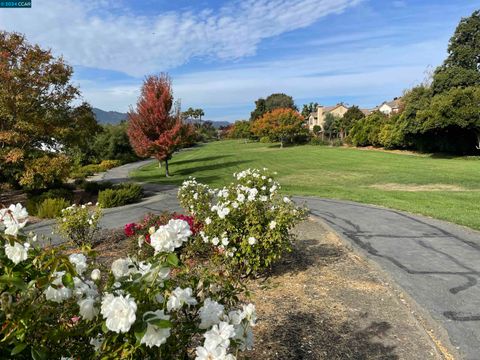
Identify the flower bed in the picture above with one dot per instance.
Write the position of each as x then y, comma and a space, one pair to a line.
175, 296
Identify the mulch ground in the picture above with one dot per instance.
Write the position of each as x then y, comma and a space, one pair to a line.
322, 301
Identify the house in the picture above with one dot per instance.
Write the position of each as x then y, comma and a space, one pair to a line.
390, 107
318, 117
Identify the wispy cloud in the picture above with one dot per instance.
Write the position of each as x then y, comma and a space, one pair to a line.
90, 33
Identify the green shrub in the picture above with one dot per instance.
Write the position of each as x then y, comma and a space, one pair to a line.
248, 222
51, 208
318, 141
34, 201
109, 164
94, 187
265, 140
120, 195
79, 224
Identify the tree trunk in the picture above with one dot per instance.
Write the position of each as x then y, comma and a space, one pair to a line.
281, 143
167, 174
159, 164
477, 132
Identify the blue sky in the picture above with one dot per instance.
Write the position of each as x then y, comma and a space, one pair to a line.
223, 55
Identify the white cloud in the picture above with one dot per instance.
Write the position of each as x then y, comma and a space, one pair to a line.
370, 75
89, 33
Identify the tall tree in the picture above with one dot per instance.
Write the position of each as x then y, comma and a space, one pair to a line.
37, 108
279, 124
155, 127
352, 115
308, 109
272, 102
462, 65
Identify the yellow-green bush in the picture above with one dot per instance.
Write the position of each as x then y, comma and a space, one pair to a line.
45, 171
109, 164
51, 208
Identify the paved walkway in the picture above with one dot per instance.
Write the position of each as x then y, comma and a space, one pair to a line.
436, 263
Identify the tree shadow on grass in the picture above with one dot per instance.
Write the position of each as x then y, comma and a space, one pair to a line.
188, 161
308, 336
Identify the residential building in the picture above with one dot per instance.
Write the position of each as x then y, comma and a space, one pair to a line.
318, 117
390, 107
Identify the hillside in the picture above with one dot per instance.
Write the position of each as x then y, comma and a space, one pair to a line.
109, 117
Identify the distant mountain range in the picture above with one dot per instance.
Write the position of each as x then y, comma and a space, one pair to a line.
109, 117
115, 117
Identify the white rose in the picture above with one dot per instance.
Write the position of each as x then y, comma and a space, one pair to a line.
121, 267
180, 297
272, 224
119, 312
95, 275
60, 292
88, 311
16, 253
155, 336
252, 240
80, 262
210, 313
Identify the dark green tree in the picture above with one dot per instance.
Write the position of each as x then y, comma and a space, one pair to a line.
461, 67
272, 102
349, 119
308, 109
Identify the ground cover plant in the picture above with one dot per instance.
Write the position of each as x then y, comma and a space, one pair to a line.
442, 187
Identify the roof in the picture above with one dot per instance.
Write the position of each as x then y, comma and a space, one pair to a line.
394, 104
367, 111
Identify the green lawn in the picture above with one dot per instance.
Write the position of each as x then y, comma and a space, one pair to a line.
443, 188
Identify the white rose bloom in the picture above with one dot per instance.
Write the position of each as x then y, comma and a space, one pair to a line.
235, 205
252, 193
263, 198
208, 221
141, 240
182, 230
14, 214
250, 314
252, 240
119, 312
210, 313
96, 342
14, 228
216, 353
241, 198
286, 200
215, 241
180, 297
80, 262
88, 311
224, 241
61, 292
272, 224
155, 336
95, 275
222, 212
122, 267
219, 335
84, 288
195, 196
16, 253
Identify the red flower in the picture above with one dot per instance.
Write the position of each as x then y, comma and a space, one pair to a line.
129, 229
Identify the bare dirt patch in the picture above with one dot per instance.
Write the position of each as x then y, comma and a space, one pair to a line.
418, 188
324, 302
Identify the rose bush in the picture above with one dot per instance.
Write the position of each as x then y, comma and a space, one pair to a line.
55, 305
248, 223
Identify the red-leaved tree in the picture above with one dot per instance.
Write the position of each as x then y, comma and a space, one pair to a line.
155, 127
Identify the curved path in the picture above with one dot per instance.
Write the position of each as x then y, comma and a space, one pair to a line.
435, 262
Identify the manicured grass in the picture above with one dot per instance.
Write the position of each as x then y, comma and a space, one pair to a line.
443, 188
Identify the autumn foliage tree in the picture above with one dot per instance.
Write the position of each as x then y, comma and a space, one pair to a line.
155, 127
37, 109
279, 124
